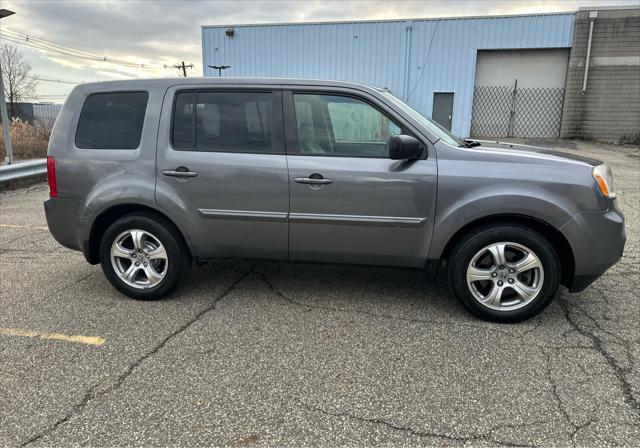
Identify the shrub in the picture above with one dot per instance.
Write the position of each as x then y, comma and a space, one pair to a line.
29, 141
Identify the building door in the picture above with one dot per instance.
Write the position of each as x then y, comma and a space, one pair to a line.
350, 202
443, 109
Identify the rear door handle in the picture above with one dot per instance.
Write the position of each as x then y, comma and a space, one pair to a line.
312, 181
179, 172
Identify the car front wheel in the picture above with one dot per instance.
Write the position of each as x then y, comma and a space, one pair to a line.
504, 273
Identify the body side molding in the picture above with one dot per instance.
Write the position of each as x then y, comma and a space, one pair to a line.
239, 214
358, 219
314, 217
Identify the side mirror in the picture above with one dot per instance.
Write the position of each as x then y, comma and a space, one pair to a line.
404, 147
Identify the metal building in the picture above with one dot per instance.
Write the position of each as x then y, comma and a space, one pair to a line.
43, 114
460, 71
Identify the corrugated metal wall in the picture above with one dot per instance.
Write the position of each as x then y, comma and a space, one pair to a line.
394, 54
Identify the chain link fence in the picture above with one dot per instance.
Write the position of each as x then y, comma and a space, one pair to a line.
503, 111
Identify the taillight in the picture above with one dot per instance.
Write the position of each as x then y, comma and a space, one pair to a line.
51, 177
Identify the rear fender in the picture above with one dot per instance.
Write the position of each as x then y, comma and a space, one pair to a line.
130, 190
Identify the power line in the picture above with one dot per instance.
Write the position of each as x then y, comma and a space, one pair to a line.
69, 51
33, 44
97, 59
41, 44
61, 81
27, 37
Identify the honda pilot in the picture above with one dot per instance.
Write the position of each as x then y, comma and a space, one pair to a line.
147, 177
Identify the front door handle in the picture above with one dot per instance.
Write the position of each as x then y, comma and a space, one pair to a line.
314, 179
179, 172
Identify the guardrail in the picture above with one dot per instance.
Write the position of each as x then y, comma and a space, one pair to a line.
23, 170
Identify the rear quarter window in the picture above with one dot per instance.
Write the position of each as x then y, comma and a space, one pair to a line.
112, 120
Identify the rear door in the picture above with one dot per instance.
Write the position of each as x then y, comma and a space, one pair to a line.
349, 202
222, 172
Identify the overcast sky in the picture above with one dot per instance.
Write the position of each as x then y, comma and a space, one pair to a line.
165, 31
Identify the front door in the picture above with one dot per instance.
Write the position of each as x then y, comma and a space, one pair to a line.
349, 202
443, 109
222, 172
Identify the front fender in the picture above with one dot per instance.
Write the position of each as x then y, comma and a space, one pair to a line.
481, 204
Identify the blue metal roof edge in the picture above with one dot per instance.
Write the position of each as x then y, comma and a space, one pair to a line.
420, 19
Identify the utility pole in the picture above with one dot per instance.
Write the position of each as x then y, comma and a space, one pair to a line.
5, 126
219, 68
3, 108
183, 68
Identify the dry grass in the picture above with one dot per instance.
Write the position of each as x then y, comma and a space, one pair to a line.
29, 141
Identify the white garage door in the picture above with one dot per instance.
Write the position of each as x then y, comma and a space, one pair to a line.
519, 93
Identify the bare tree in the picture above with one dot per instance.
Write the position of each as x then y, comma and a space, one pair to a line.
16, 76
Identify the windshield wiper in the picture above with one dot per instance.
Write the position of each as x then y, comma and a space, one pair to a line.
470, 143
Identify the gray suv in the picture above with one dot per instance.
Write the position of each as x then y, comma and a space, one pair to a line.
148, 176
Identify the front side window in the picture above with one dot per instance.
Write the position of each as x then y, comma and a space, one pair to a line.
343, 126
112, 120
223, 121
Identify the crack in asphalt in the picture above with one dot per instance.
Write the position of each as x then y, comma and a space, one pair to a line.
70, 285
94, 392
482, 437
280, 294
45, 239
554, 391
602, 292
598, 345
577, 429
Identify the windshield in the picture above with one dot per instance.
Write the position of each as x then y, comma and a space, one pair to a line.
431, 125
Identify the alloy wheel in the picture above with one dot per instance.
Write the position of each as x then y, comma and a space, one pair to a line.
139, 259
505, 276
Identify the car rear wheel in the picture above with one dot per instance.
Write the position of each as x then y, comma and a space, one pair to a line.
504, 273
143, 256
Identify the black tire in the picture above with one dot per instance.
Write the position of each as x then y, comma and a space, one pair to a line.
178, 256
472, 243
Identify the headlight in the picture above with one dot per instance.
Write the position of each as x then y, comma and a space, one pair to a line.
604, 179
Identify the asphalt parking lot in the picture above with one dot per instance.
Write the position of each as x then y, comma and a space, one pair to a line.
260, 353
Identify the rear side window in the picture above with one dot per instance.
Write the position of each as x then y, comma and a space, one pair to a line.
112, 120
223, 121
